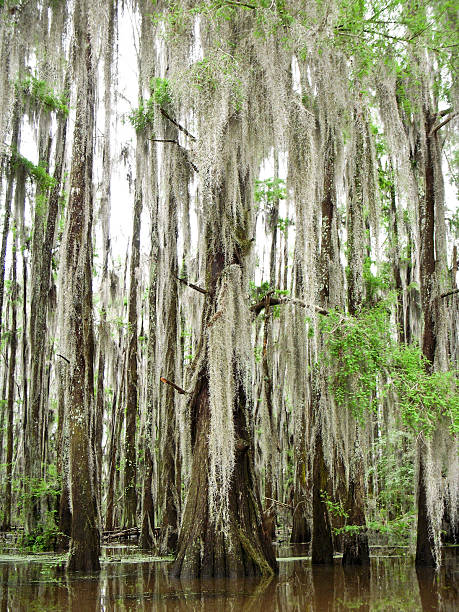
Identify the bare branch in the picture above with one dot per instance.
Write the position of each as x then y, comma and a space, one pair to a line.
177, 125
62, 357
165, 140
453, 292
195, 287
446, 120
445, 112
278, 301
195, 168
173, 385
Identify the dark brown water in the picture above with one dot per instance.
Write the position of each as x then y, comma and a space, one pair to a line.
390, 584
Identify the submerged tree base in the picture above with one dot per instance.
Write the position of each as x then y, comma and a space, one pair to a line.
241, 548
82, 558
356, 549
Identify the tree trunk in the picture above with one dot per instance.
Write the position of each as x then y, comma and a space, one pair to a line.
355, 543
77, 292
238, 546
395, 252
148, 503
322, 541
6, 524
168, 492
115, 432
425, 544
148, 507
301, 531
243, 549
272, 443
8, 202
130, 468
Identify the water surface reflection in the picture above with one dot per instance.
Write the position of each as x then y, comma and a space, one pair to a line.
390, 583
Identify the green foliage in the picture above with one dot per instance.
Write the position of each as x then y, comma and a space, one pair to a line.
161, 91
142, 118
28, 489
258, 292
375, 283
424, 397
38, 173
361, 350
355, 349
43, 94
334, 508
42, 538
399, 528
395, 478
284, 223
269, 190
32, 490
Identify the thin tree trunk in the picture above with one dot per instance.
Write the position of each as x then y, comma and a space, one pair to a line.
425, 543
301, 531
6, 525
272, 445
84, 545
8, 202
148, 503
396, 265
355, 544
322, 542
130, 469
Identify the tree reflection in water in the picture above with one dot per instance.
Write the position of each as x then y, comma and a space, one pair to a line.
390, 583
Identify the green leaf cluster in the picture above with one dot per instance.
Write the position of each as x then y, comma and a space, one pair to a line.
43, 94
142, 118
258, 292
366, 363
44, 180
334, 508
355, 351
283, 223
269, 190
161, 91
424, 397
41, 539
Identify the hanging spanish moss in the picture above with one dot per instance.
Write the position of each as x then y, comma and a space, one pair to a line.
228, 280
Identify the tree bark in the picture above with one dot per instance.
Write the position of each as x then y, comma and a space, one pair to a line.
148, 502
322, 541
77, 293
6, 523
355, 543
425, 543
130, 468
301, 531
244, 549
168, 491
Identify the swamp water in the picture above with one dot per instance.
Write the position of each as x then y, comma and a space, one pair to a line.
132, 581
